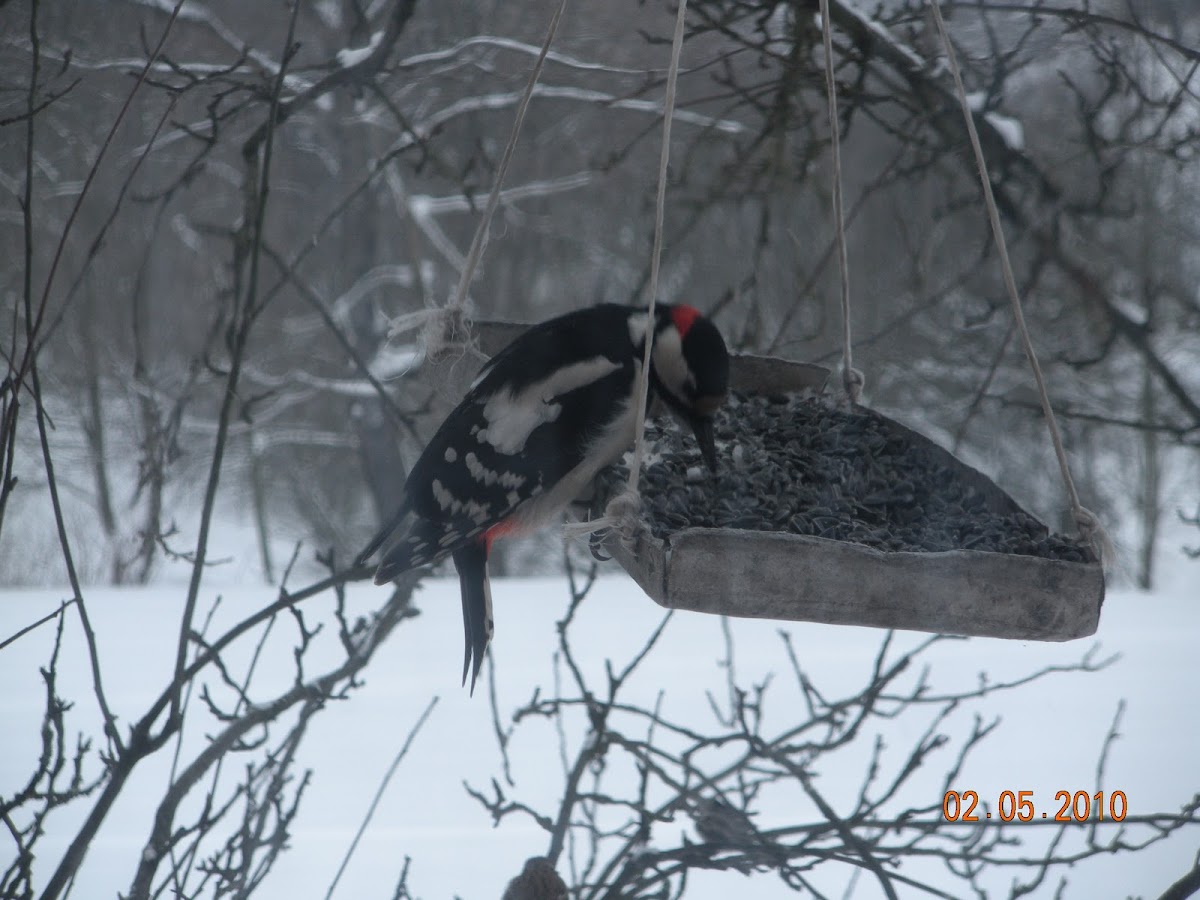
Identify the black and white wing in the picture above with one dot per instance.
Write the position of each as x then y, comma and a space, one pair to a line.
542, 409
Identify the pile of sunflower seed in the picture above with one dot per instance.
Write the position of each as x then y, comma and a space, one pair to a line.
807, 466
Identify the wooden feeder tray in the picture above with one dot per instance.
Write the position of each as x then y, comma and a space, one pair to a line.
797, 577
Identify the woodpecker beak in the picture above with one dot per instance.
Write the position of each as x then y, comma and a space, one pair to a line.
703, 427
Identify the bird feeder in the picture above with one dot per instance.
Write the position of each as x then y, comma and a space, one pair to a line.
902, 548
1041, 587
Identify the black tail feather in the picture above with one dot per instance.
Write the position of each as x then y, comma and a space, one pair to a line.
380, 536
471, 562
389, 568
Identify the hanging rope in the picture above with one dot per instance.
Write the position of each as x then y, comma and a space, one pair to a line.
623, 509
1086, 521
447, 328
852, 379
660, 206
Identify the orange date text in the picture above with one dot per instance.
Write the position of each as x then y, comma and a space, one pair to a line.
1019, 806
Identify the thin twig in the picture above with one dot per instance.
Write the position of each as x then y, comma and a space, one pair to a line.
879, 182
176, 863
91, 175
244, 318
315, 300
502, 735
13, 638
31, 327
387, 777
481, 231
981, 393
97, 244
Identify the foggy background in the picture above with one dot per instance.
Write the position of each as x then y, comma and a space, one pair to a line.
376, 184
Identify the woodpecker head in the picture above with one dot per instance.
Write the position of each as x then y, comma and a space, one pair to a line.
690, 368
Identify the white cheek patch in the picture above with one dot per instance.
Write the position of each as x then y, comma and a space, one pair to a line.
637, 328
670, 365
512, 417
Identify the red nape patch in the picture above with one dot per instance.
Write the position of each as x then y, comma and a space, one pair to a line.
503, 529
684, 318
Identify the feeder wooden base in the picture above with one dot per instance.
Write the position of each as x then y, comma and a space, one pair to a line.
799, 578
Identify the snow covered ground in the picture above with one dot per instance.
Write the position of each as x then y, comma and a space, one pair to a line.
1049, 739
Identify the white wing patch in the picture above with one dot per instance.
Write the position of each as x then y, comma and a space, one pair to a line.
544, 508
512, 417
488, 477
451, 504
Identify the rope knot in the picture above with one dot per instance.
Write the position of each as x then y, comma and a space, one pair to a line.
853, 381
444, 331
625, 512
622, 515
448, 334
1094, 534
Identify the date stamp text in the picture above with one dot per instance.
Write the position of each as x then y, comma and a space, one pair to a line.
1020, 806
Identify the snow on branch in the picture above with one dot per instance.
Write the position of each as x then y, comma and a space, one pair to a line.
200, 14
487, 40
505, 99
347, 58
994, 130
424, 205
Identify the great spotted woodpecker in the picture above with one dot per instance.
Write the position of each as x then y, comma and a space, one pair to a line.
542, 418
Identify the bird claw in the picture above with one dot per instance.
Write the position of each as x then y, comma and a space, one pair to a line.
595, 542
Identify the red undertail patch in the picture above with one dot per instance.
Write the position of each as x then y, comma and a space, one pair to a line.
498, 531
